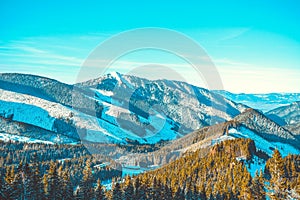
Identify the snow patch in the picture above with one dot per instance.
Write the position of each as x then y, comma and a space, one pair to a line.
16, 138
262, 144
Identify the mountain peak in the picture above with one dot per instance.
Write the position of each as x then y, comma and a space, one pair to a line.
115, 75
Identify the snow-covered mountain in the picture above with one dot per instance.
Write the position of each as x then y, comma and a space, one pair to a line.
114, 108
263, 102
282, 108
288, 116
124, 109
183, 106
264, 127
290, 113
266, 134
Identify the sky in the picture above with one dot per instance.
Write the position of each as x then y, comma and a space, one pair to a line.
255, 46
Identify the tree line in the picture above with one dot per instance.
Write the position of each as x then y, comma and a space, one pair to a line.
221, 174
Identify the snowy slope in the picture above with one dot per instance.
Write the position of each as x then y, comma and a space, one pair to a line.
265, 127
8, 137
263, 144
181, 106
129, 109
33, 132
288, 116
43, 113
267, 136
256, 163
30, 110
114, 108
290, 113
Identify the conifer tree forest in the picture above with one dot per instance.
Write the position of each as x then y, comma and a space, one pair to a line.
41, 171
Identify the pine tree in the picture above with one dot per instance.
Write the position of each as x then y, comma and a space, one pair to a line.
141, 193
117, 192
298, 185
67, 187
167, 193
60, 194
189, 192
86, 186
27, 181
46, 186
154, 189
18, 187
36, 182
257, 187
2, 196
211, 197
128, 189
53, 182
278, 181
179, 194
202, 194
99, 194
8, 182
245, 192
9, 175
137, 187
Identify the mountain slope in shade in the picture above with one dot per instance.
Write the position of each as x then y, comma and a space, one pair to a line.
294, 128
268, 129
251, 124
114, 108
41, 87
288, 115
48, 89
263, 102
19, 131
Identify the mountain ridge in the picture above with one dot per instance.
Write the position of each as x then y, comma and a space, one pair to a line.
205, 138
153, 110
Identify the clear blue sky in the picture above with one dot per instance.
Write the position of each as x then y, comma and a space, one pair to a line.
255, 45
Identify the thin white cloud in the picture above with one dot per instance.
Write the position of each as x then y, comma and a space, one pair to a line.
233, 33
29, 49
61, 58
16, 53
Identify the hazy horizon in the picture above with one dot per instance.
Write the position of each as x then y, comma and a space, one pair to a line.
140, 76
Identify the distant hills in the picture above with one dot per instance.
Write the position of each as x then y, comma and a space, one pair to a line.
263, 102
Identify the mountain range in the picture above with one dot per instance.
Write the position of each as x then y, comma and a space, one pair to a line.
171, 129
114, 108
125, 109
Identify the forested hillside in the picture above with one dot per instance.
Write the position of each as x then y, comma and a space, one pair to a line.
220, 172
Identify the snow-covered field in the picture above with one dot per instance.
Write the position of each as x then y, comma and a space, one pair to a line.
16, 138
42, 113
